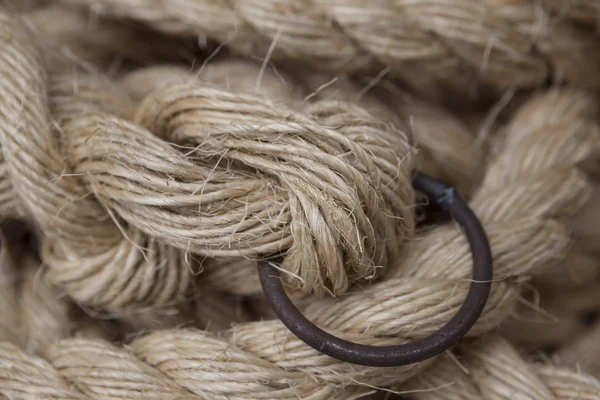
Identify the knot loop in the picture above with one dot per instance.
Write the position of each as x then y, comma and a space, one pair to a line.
328, 185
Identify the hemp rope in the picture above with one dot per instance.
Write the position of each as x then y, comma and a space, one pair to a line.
377, 170
497, 371
447, 150
249, 338
551, 209
69, 36
120, 107
582, 352
562, 303
367, 311
93, 91
453, 160
559, 317
34, 316
505, 43
73, 94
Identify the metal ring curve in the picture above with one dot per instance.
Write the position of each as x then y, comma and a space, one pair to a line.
447, 198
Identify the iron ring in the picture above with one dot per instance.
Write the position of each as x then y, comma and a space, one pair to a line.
449, 200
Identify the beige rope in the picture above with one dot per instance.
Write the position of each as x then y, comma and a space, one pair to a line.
76, 93
447, 149
35, 315
118, 374
196, 363
388, 308
70, 37
73, 94
582, 352
28, 377
74, 222
493, 369
504, 43
358, 192
558, 317
102, 187
429, 125
9, 277
378, 310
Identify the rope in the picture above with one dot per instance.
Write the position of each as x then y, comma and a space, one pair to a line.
503, 43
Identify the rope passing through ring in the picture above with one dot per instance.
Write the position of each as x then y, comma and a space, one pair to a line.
448, 200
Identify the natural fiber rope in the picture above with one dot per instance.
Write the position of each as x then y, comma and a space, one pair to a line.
453, 159
530, 186
34, 315
496, 370
70, 37
295, 356
504, 43
447, 149
564, 302
367, 313
181, 92
493, 369
72, 94
582, 352
241, 212
557, 318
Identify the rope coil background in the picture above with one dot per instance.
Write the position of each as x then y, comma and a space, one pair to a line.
105, 169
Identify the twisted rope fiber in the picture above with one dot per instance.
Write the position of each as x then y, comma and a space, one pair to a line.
72, 94
242, 212
524, 239
446, 148
452, 159
557, 319
34, 315
582, 352
366, 313
568, 294
69, 36
497, 371
493, 361
564, 204
505, 43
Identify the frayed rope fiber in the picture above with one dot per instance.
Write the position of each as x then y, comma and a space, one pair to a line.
506, 43
152, 189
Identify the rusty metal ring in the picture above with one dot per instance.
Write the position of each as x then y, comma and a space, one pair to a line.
446, 198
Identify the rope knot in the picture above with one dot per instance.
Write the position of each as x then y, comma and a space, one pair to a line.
335, 192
